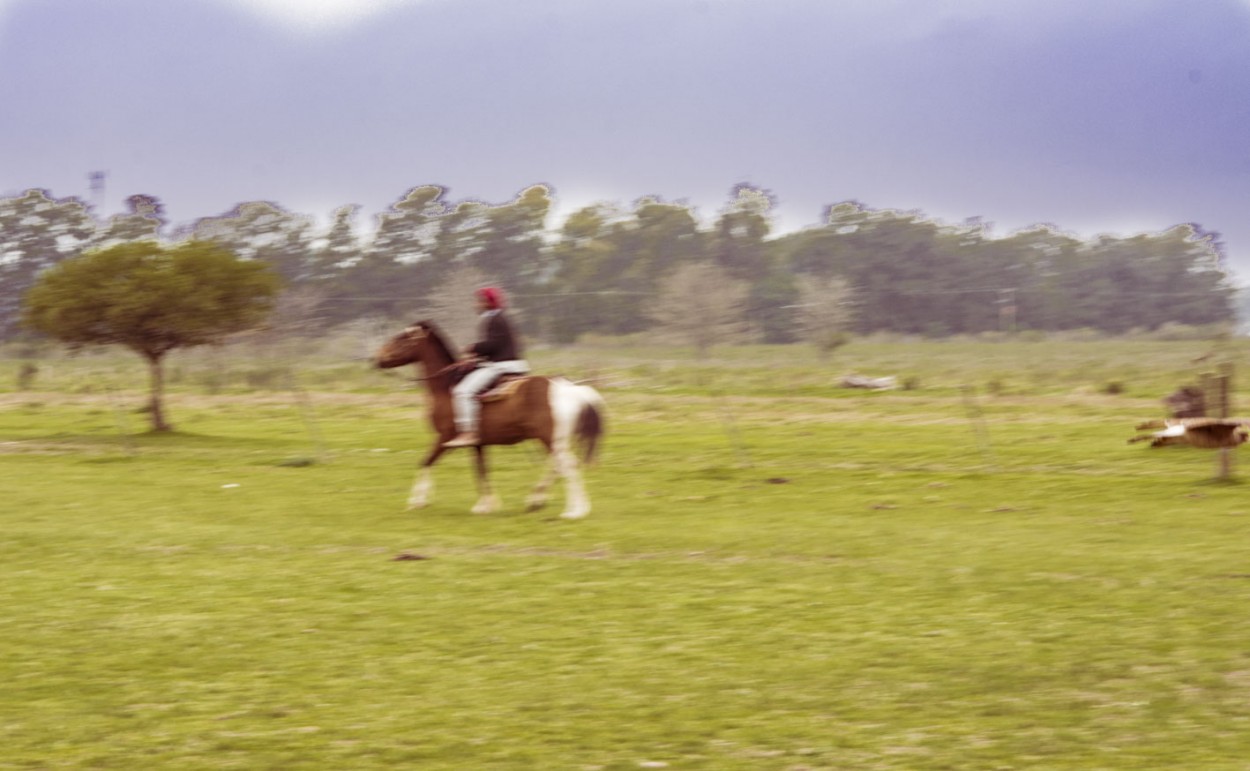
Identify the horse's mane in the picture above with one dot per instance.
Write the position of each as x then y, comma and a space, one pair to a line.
439, 339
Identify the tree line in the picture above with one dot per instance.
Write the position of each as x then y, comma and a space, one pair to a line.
620, 269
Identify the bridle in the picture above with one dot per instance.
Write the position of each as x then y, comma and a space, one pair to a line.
418, 335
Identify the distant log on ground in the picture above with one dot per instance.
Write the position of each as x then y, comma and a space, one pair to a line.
869, 383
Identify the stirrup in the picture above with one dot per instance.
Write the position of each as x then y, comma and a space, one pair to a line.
464, 439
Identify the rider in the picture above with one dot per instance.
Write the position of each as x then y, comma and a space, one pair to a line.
499, 353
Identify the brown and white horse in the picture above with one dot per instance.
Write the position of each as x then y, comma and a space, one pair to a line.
554, 411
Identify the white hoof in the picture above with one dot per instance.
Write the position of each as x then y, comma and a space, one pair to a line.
487, 505
421, 490
573, 514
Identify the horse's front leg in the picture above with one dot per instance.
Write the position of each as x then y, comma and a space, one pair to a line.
423, 486
486, 502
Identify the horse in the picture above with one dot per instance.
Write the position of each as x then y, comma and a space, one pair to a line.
553, 410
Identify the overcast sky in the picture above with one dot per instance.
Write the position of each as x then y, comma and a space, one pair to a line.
1118, 116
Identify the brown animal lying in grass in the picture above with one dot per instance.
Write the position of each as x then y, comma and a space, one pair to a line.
1207, 433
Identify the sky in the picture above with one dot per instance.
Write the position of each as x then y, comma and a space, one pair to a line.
1096, 116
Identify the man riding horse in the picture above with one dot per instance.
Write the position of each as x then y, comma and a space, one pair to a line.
498, 353
555, 411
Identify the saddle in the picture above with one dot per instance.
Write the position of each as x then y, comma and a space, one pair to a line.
497, 390
503, 387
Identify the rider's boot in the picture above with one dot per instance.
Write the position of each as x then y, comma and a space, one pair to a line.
465, 439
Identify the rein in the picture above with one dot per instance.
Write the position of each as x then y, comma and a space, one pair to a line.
455, 368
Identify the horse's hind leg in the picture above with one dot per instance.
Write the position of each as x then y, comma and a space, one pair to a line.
538, 496
577, 505
487, 502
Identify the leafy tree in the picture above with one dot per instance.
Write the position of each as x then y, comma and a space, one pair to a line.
606, 259
659, 238
505, 242
819, 251
656, 239
408, 231
508, 242
341, 248
739, 244
297, 312
701, 305
152, 300
264, 231
909, 274
738, 240
461, 235
331, 271
770, 307
913, 275
404, 261
143, 220
36, 232
453, 307
825, 312
1046, 281
583, 259
1175, 276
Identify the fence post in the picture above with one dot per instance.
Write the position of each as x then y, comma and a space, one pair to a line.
1224, 396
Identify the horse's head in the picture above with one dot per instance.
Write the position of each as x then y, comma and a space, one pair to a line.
405, 348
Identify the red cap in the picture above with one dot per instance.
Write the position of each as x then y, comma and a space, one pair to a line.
492, 296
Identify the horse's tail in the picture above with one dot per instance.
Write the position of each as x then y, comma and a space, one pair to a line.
590, 426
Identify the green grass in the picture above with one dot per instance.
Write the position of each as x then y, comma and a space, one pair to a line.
776, 575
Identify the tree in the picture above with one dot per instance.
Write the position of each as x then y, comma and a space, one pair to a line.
264, 231
658, 238
340, 247
408, 231
770, 307
702, 305
152, 300
337, 254
738, 240
1049, 288
402, 263
825, 312
36, 232
1175, 276
607, 259
583, 255
509, 243
453, 307
143, 220
739, 245
916, 276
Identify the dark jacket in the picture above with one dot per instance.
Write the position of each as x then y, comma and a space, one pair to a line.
499, 340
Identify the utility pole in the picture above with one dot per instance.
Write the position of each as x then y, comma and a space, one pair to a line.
96, 181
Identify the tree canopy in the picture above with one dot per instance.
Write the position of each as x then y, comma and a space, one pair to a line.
151, 299
901, 272
36, 232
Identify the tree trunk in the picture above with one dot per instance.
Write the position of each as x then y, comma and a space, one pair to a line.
156, 407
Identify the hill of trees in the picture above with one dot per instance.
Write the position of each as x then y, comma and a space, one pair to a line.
607, 267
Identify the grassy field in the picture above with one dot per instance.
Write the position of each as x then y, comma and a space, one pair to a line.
777, 574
